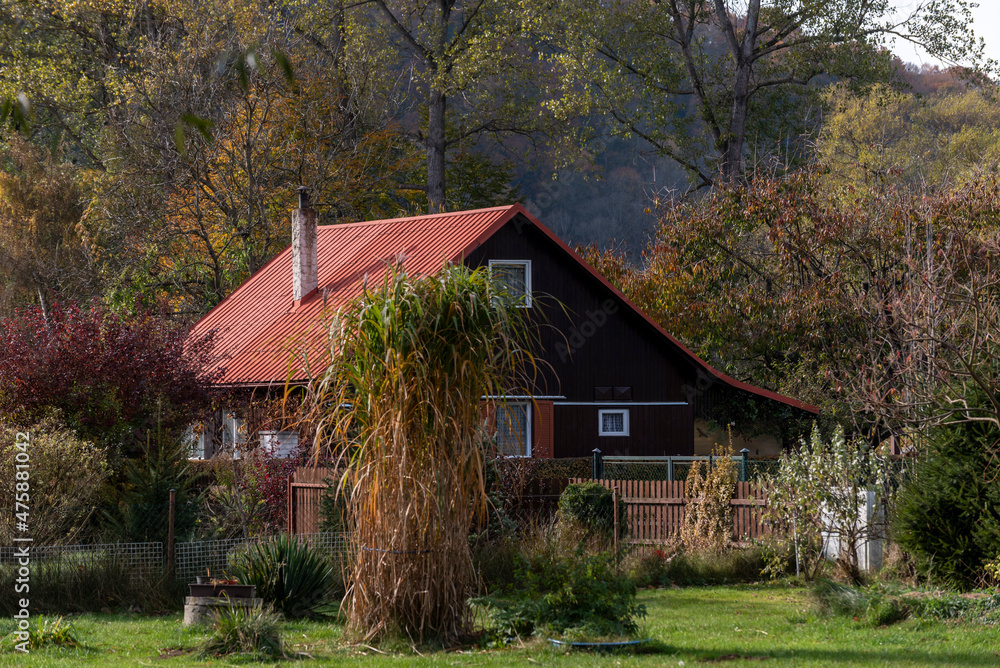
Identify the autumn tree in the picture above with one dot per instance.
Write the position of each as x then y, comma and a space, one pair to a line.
711, 83
62, 60
473, 65
232, 110
891, 139
881, 309
42, 254
111, 379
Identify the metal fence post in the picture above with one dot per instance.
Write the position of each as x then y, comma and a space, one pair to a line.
170, 533
598, 465
745, 465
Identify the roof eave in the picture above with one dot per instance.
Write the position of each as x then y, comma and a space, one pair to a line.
716, 374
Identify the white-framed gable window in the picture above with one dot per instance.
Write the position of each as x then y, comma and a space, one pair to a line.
515, 277
612, 422
513, 428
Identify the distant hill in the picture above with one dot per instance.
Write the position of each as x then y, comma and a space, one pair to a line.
603, 203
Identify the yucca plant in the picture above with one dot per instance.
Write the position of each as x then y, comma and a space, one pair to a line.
409, 365
239, 630
289, 575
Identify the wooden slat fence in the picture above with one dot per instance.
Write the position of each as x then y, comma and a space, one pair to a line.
539, 499
655, 508
305, 496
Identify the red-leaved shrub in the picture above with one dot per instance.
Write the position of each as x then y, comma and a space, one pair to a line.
110, 378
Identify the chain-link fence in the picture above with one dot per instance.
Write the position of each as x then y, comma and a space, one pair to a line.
674, 468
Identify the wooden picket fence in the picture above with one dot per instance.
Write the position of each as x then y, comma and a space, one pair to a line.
655, 508
305, 496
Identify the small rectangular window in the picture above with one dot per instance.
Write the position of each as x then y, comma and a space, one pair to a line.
513, 276
613, 422
194, 436
514, 429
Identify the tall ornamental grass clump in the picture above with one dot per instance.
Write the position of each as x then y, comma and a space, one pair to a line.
410, 362
708, 515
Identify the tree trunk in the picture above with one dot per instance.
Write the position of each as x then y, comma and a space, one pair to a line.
436, 146
742, 51
44, 306
731, 166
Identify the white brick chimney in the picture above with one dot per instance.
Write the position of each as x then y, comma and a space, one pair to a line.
305, 269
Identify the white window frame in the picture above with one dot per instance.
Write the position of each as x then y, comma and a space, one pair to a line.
196, 441
232, 434
625, 422
268, 438
527, 278
527, 425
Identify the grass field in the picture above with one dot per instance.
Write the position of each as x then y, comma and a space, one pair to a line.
735, 626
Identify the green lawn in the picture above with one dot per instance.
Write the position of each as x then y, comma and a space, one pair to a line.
731, 625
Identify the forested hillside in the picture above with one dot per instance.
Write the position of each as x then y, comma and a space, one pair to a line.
150, 151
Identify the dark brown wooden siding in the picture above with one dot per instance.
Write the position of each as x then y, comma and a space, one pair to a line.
597, 342
592, 340
654, 431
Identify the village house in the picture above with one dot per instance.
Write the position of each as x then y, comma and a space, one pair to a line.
615, 380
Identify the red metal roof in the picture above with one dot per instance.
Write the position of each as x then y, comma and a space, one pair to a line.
259, 326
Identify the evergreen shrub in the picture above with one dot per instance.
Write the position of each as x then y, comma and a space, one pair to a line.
591, 506
948, 515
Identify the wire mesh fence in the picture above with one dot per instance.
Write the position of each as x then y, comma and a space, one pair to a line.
215, 557
204, 519
212, 557
105, 524
146, 556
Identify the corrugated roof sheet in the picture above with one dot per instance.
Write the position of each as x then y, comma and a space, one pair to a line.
258, 327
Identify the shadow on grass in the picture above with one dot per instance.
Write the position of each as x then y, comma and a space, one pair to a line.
856, 657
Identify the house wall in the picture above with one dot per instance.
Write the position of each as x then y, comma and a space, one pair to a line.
596, 342
705, 439
654, 431
590, 340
